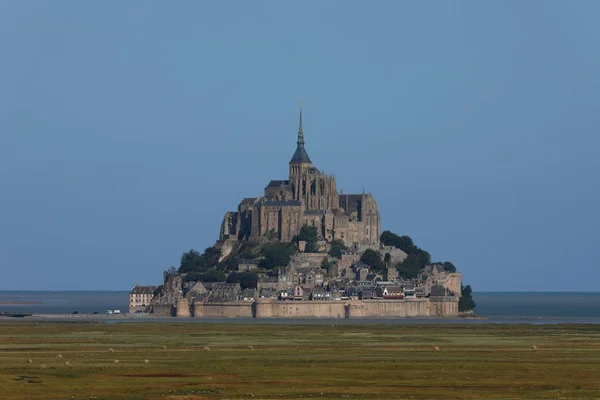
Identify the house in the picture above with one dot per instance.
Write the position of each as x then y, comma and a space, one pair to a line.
287, 294
265, 282
298, 293
371, 284
249, 294
268, 293
196, 292
352, 293
390, 292
140, 297
247, 265
320, 294
367, 293
224, 292
410, 290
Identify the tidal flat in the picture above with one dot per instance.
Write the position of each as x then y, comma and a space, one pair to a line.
95, 360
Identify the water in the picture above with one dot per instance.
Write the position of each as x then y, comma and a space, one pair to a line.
63, 302
531, 307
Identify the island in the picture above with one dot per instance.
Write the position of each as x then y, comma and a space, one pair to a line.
303, 249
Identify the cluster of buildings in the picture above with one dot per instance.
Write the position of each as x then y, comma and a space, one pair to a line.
308, 197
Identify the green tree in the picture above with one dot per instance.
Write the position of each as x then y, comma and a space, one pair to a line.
336, 248
448, 266
229, 264
277, 255
409, 268
310, 235
247, 279
404, 243
373, 259
466, 302
189, 260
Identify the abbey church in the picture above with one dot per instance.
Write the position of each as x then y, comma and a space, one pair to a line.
307, 197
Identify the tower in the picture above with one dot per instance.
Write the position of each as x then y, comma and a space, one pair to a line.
299, 163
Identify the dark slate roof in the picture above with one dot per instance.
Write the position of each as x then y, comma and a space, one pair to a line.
287, 203
277, 183
314, 212
300, 156
314, 170
137, 289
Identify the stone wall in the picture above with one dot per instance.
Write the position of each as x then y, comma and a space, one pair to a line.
269, 308
223, 310
163, 310
443, 306
389, 308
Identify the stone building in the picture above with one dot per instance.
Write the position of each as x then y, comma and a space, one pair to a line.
307, 197
140, 297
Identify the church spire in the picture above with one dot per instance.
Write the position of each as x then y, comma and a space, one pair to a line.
300, 128
300, 156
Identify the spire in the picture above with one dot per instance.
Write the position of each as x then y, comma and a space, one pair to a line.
300, 128
300, 156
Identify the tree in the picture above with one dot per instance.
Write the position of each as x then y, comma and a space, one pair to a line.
336, 248
247, 280
448, 266
193, 261
409, 268
404, 243
277, 255
310, 235
229, 264
373, 259
466, 302
188, 261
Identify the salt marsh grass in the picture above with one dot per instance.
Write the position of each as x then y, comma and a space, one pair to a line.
366, 361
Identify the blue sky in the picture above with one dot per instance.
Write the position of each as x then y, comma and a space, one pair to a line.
127, 129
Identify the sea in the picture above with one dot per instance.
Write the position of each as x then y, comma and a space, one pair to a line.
501, 307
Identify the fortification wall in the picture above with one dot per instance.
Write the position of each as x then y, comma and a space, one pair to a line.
163, 310
223, 310
389, 308
269, 308
443, 307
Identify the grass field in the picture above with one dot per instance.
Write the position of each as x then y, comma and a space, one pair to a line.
40, 360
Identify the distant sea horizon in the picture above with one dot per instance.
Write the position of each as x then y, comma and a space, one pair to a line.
490, 304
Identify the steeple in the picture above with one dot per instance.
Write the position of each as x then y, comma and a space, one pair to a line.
300, 141
300, 156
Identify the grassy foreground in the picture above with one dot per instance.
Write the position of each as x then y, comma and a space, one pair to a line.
40, 360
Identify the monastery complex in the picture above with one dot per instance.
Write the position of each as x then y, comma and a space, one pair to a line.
307, 197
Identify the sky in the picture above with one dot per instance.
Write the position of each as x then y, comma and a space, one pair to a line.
127, 129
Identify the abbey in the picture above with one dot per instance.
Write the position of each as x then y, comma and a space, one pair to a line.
307, 197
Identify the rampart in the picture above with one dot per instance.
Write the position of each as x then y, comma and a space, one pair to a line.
223, 310
269, 308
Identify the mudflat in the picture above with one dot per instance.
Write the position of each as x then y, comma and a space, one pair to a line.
84, 360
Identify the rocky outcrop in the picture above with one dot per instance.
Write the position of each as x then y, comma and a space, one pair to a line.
171, 292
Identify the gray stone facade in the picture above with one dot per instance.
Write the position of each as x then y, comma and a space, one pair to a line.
307, 197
